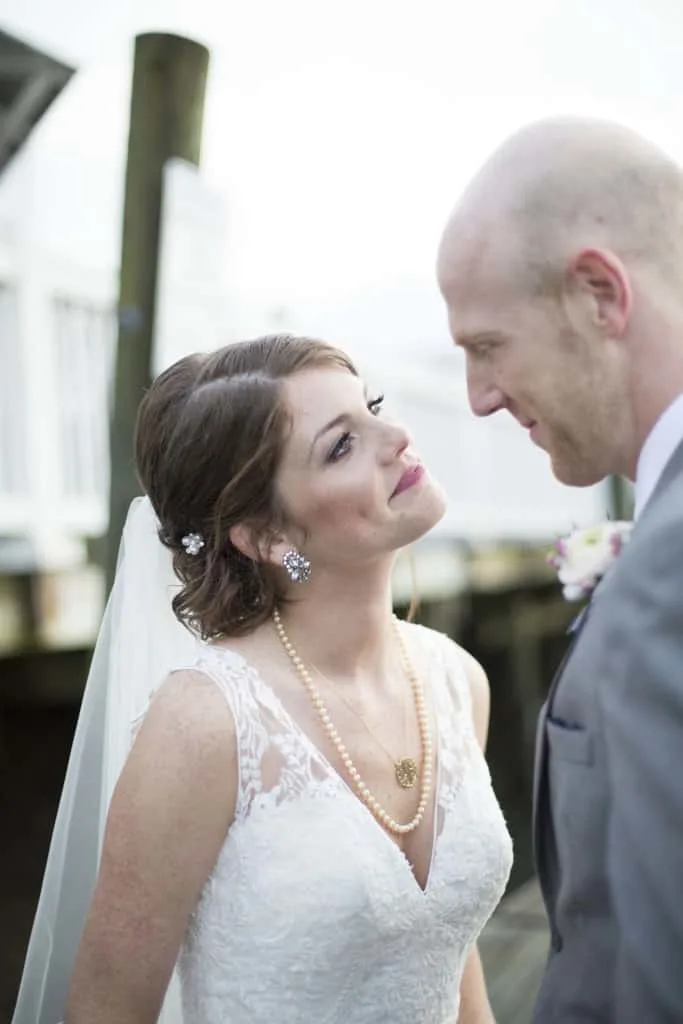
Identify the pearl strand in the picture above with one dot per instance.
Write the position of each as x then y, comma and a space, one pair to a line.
373, 805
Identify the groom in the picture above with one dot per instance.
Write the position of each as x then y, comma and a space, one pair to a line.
562, 269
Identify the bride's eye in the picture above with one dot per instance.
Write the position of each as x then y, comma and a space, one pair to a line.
342, 447
345, 443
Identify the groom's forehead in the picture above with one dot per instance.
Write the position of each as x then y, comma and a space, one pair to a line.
487, 270
464, 253
478, 302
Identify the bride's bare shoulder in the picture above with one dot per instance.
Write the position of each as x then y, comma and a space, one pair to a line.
186, 732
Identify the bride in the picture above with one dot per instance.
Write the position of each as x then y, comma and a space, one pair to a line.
300, 824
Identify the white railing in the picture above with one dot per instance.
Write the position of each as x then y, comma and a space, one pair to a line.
57, 333
84, 340
13, 456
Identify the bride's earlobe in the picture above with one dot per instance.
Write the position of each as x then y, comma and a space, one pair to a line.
274, 550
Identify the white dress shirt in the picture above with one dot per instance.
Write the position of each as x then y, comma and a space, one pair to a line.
661, 443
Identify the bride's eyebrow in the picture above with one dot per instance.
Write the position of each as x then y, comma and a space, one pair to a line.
338, 421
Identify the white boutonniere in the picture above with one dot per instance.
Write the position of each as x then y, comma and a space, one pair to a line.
584, 556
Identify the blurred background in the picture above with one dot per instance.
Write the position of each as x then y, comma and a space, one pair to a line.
335, 139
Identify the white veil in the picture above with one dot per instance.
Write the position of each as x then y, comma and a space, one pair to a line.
139, 642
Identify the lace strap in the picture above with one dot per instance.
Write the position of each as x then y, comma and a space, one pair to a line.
456, 675
237, 681
274, 758
227, 670
446, 655
459, 751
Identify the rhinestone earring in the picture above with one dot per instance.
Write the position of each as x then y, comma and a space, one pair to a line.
298, 568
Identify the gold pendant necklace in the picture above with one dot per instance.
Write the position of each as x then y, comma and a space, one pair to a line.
407, 765
406, 770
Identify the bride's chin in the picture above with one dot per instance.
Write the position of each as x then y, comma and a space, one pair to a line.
428, 512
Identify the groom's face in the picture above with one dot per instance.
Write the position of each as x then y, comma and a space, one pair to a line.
524, 356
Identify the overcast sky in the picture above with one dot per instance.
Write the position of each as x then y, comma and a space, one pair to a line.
341, 133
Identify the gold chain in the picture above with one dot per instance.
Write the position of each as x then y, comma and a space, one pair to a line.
382, 816
405, 768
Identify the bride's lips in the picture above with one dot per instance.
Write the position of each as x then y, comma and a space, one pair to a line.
411, 476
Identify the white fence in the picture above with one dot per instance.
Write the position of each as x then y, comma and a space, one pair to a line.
14, 482
54, 403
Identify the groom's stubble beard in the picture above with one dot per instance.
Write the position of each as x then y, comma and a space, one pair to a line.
582, 429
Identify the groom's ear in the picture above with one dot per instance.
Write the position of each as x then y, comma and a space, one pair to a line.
599, 280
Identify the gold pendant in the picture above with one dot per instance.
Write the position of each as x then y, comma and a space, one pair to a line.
406, 772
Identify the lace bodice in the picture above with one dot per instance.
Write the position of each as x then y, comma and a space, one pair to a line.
312, 913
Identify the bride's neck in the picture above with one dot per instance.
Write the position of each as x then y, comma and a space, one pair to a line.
343, 626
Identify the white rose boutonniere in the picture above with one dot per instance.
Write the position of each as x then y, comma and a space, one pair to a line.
584, 556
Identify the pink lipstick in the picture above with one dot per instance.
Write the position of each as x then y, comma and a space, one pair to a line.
412, 476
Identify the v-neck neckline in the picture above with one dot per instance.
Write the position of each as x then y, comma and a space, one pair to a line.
314, 749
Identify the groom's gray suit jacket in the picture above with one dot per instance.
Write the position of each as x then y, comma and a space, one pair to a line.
608, 800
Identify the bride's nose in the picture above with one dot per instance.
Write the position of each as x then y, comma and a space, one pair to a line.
396, 440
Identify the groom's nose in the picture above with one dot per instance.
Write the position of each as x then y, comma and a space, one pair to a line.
484, 397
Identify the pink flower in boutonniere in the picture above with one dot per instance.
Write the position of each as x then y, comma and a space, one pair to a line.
584, 556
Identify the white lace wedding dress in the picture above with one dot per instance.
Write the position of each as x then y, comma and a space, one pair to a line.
312, 915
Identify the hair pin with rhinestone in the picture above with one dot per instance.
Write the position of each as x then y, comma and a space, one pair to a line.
193, 543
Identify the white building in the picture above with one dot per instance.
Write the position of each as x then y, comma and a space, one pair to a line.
58, 291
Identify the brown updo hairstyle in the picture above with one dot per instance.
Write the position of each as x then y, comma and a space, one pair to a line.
208, 442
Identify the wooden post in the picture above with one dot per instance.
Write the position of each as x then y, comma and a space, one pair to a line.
166, 116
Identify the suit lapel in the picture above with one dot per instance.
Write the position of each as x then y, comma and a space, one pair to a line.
575, 629
540, 794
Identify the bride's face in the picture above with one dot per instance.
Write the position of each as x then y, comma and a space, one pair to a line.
350, 480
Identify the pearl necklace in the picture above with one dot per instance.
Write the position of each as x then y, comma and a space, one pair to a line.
382, 816
406, 771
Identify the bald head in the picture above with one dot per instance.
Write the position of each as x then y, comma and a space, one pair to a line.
563, 184
562, 270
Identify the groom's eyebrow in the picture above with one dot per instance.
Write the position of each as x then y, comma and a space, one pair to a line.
475, 338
